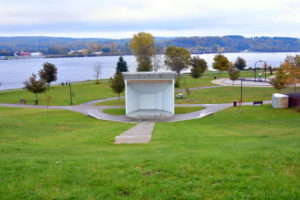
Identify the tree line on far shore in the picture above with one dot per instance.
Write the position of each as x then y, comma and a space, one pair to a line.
148, 58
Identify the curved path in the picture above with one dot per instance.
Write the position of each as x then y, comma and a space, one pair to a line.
97, 111
90, 109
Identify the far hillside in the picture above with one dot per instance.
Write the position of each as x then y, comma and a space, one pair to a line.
105, 46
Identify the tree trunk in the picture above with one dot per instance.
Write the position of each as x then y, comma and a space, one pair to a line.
36, 99
119, 97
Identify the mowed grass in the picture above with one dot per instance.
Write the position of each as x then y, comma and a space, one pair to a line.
88, 91
178, 110
226, 95
247, 153
82, 92
215, 95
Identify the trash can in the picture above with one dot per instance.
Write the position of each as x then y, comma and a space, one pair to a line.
215, 77
234, 103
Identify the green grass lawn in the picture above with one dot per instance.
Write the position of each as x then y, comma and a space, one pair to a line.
188, 82
114, 102
178, 110
252, 153
226, 95
88, 91
83, 92
215, 95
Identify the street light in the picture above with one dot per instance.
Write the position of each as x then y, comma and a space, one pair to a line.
70, 92
241, 90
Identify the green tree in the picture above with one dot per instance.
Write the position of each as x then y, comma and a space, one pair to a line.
279, 82
117, 84
199, 66
221, 63
142, 46
177, 59
121, 65
240, 63
35, 86
233, 73
271, 69
48, 73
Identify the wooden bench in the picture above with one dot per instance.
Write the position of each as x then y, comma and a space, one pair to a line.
23, 101
258, 102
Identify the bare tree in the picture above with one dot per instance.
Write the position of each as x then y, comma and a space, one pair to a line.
98, 71
48, 100
157, 60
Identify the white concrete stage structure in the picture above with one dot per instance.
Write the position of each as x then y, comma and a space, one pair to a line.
149, 94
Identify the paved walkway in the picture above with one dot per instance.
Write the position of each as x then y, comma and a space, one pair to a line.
97, 111
141, 133
91, 110
228, 82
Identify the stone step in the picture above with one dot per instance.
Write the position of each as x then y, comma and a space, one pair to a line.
128, 139
141, 133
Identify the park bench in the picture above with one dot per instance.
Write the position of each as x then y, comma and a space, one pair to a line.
23, 101
258, 103
180, 96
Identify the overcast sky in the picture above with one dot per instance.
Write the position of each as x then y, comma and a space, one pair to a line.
123, 18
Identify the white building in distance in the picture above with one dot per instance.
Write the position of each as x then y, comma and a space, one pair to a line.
149, 93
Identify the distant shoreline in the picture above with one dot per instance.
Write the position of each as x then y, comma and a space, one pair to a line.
68, 56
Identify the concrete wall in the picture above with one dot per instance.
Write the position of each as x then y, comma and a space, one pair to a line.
168, 99
150, 96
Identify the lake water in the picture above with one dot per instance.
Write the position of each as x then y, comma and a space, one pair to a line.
14, 72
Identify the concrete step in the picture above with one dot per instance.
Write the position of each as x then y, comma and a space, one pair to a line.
141, 133
128, 139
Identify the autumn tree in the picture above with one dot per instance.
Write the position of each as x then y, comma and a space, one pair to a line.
240, 63
35, 86
142, 46
279, 82
114, 47
48, 73
233, 73
97, 70
199, 66
121, 65
117, 84
177, 59
292, 70
84, 52
93, 47
221, 63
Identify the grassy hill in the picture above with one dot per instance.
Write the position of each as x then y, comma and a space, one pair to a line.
252, 153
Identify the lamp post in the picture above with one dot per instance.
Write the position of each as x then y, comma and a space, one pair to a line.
255, 70
241, 90
265, 66
70, 92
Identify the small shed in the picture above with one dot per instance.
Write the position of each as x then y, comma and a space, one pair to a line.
149, 93
280, 100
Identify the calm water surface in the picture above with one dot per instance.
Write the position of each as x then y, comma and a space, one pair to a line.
14, 72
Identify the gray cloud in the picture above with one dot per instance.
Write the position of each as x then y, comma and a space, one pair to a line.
121, 17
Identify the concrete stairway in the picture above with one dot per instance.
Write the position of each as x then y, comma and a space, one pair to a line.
141, 133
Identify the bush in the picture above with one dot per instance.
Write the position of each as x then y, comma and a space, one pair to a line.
177, 83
